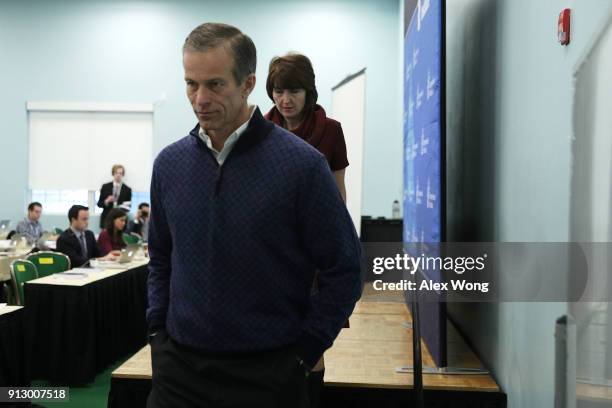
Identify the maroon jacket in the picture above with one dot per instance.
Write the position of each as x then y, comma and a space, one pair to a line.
105, 243
321, 132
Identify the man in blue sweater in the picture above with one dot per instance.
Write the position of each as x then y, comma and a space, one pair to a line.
231, 317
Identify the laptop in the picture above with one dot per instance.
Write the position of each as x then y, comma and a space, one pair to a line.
127, 253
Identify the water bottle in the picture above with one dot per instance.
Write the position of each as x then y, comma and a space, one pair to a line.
395, 210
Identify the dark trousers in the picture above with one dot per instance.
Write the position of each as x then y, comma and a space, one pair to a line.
183, 377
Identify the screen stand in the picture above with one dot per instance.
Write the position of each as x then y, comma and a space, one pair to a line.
443, 370
416, 354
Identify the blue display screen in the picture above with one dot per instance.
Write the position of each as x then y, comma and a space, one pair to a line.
422, 118
423, 142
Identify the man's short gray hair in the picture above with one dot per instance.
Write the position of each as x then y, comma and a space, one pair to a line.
211, 35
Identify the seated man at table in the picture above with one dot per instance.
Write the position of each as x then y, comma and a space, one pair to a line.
77, 241
30, 227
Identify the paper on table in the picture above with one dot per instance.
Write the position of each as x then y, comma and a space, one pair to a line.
107, 264
71, 275
85, 271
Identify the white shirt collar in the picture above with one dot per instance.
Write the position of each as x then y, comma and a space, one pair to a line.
77, 232
231, 140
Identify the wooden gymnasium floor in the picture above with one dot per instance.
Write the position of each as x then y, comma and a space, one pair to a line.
365, 356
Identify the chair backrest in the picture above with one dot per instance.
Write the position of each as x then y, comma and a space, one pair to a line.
57, 231
130, 239
48, 263
21, 272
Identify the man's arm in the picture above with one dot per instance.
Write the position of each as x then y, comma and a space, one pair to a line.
332, 243
102, 198
22, 228
160, 250
65, 247
128, 194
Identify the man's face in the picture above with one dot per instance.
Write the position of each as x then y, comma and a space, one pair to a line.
217, 100
82, 221
118, 175
34, 214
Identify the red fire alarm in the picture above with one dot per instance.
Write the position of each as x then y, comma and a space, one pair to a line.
563, 27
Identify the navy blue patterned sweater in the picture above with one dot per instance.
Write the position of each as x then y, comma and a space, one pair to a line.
234, 248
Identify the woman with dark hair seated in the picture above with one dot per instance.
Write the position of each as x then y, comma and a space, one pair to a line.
111, 237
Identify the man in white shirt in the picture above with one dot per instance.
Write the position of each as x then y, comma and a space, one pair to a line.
114, 194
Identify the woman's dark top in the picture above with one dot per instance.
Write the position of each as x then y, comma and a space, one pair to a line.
322, 133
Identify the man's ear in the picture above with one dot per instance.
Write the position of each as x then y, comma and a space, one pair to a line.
249, 85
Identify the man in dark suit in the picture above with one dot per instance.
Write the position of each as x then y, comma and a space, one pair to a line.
114, 194
77, 242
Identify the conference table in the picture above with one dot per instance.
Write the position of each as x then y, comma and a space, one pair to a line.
81, 321
14, 365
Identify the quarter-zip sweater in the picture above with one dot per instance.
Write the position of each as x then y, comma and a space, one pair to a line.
234, 248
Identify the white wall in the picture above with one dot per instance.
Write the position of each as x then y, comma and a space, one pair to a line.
591, 206
130, 51
510, 97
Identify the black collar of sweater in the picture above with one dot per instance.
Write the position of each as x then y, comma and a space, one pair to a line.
257, 129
